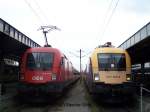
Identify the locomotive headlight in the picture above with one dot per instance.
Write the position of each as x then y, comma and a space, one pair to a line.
21, 77
96, 77
53, 76
128, 77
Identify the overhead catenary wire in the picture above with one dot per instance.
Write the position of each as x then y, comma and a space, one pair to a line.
82, 55
107, 12
34, 11
74, 54
110, 17
41, 11
87, 54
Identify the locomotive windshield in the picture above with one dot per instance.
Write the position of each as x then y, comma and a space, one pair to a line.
40, 60
111, 62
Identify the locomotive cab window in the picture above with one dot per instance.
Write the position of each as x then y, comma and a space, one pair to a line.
111, 62
40, 60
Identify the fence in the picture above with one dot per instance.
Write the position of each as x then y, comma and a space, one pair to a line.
141, 96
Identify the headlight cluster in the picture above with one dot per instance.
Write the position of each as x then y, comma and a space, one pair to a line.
96, 77
128, 77
53, 76
21, 76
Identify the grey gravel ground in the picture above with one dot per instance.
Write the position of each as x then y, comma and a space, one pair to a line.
74, 101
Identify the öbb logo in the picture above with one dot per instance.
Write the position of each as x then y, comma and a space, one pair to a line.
37, 78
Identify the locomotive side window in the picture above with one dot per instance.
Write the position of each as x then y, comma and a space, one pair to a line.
40, 60
111, 62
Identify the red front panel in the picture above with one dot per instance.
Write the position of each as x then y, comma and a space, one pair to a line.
38, 76
40, 65
36, 73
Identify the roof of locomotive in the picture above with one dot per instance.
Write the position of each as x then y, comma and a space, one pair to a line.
45, 49
107, 50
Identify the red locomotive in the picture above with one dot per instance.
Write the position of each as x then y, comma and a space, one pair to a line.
44, 70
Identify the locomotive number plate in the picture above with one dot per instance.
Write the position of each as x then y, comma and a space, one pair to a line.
37, 78
113, 76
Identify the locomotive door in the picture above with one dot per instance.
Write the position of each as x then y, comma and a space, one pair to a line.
63, 68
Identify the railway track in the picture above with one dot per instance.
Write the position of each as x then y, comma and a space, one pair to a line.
72, 100
77, 99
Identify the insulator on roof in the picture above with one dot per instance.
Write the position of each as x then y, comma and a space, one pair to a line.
47, 45
107, 44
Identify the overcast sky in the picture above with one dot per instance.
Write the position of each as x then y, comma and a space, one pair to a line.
84, 24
